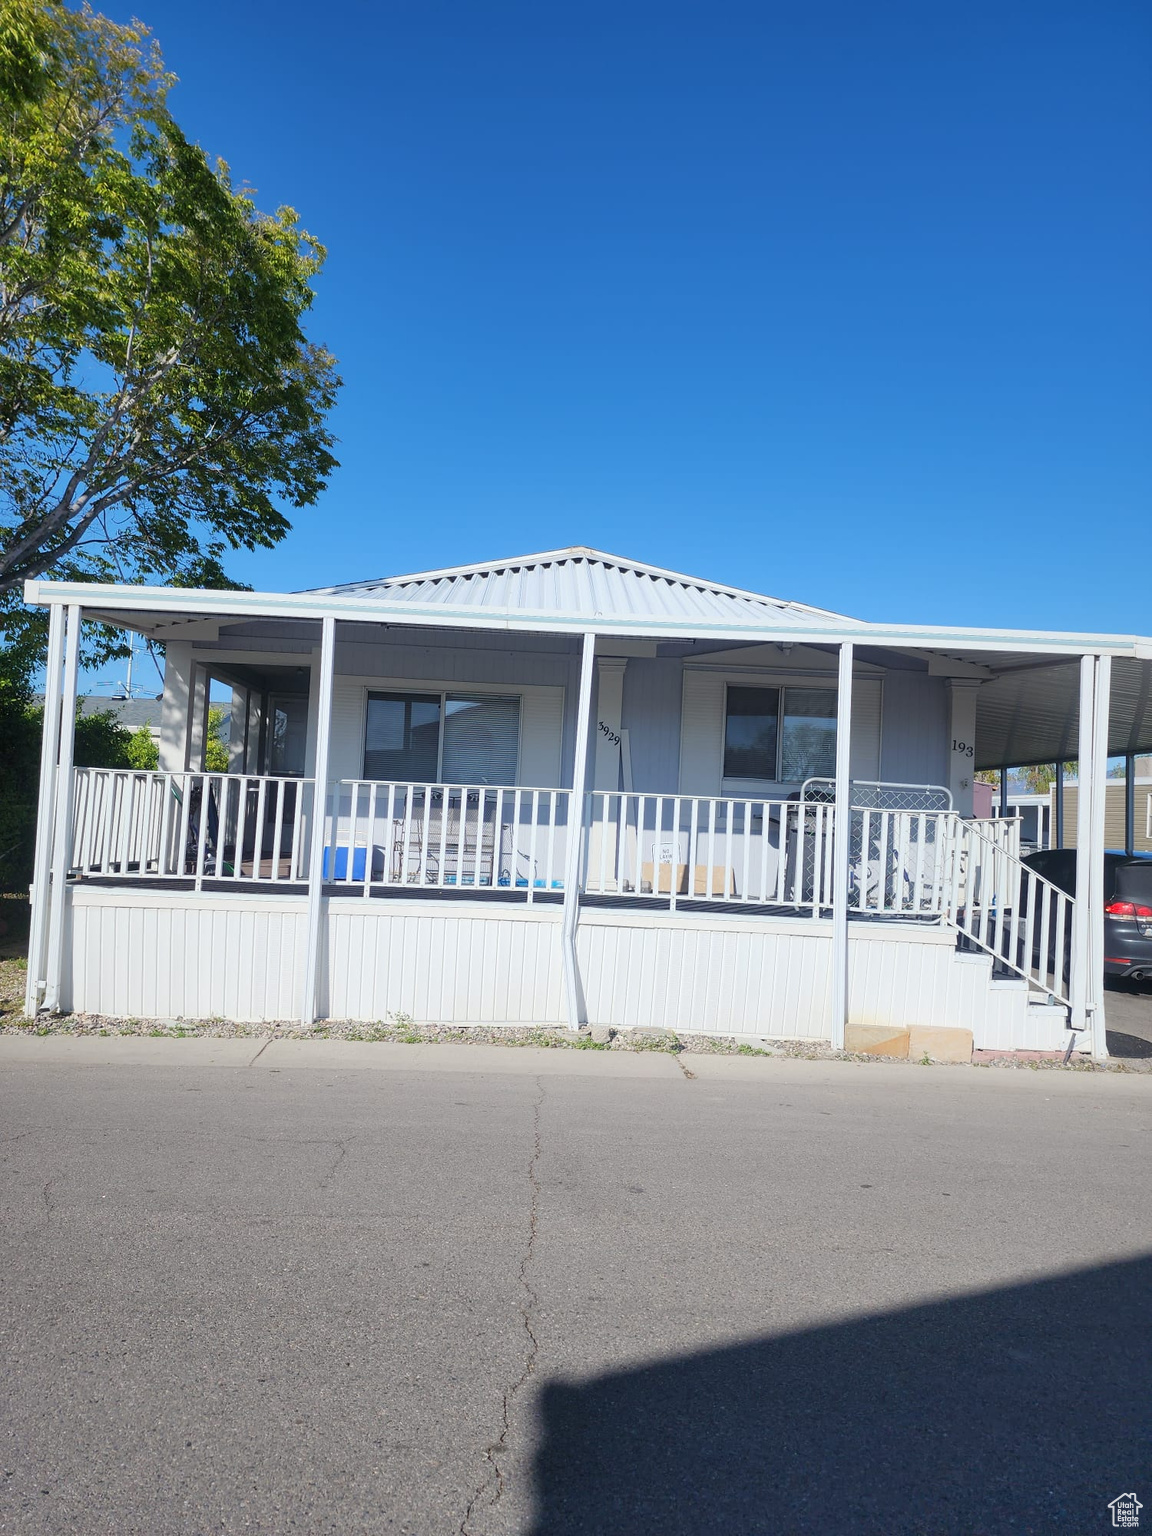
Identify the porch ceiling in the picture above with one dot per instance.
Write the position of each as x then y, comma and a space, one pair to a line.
1029, 712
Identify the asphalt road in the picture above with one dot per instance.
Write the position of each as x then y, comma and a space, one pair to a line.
510, 1291
1128, 1018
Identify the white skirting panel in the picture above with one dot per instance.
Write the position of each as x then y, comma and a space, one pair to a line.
166, 956
141, 954
901, 977
443, 963
706, 975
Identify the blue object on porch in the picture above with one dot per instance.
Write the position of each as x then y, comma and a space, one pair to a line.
337, 869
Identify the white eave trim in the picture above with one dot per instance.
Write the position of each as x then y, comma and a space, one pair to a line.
237, 606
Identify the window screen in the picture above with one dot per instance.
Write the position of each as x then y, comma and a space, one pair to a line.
750, 730
481, 740
402, 737
808, 738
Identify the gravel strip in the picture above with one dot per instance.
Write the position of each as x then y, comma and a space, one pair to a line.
401, 1030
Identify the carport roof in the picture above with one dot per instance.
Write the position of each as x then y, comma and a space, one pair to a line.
1027, 703
1030, 713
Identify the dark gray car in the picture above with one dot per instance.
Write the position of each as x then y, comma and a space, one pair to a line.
1127, 906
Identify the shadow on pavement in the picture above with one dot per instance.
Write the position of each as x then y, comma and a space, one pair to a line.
1025, 1409
1128, 1047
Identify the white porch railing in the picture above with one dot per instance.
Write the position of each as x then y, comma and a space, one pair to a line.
1011, 912
901, 862
694, 848
213, 826
1004, 831
921, 864
446, 836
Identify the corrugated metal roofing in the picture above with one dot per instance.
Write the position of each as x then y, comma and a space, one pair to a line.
586, 583
1031, 714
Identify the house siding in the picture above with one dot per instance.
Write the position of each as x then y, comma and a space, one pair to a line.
548, 670
914, 744
651, 716
141, 954
673, 712
1114, 815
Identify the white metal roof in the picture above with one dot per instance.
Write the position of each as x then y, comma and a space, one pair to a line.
586, 584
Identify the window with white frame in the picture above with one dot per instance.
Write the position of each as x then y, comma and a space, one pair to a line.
442, 738
779, 735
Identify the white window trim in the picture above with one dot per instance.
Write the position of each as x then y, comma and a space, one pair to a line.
438, 686
443, 695
737, 789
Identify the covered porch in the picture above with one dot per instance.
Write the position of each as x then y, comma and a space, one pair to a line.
589, 879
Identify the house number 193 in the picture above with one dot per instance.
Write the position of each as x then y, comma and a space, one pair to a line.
964, 748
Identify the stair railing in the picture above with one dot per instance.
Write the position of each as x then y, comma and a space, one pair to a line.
1006, 909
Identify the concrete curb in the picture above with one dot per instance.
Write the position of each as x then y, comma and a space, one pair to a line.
127, 1051
508, 1061
266, 1053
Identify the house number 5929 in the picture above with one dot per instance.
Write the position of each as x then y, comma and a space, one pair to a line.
964, 748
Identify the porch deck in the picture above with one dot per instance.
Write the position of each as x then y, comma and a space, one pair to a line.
246, 835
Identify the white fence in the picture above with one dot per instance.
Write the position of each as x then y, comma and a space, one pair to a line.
689, 848
446, 836
212, 826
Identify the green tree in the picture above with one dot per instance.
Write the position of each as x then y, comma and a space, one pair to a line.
159, 400
215, 747
142, 751
1040, 777
100, 742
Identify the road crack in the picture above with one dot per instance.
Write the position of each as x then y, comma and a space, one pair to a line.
341, 1154
493, 1480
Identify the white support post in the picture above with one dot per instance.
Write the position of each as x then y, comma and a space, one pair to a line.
962, 735
1096, 847
49, 749
609, 714
575, 837
176, 708
841, 846
62, 831
324, 675
1081, 926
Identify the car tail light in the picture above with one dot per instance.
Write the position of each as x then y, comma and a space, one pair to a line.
1127, 909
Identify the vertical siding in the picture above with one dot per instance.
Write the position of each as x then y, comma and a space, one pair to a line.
713, 979
541, 738
915, 735
442, 966
867, 697
134, 958
900, 981
1114, 816
131, 955
651, 716
701, 732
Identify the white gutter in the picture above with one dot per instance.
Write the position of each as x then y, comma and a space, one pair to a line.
238, 606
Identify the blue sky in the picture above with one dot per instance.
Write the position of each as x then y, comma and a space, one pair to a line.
841, 302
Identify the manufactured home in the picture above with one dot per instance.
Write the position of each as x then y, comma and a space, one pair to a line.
573, 789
